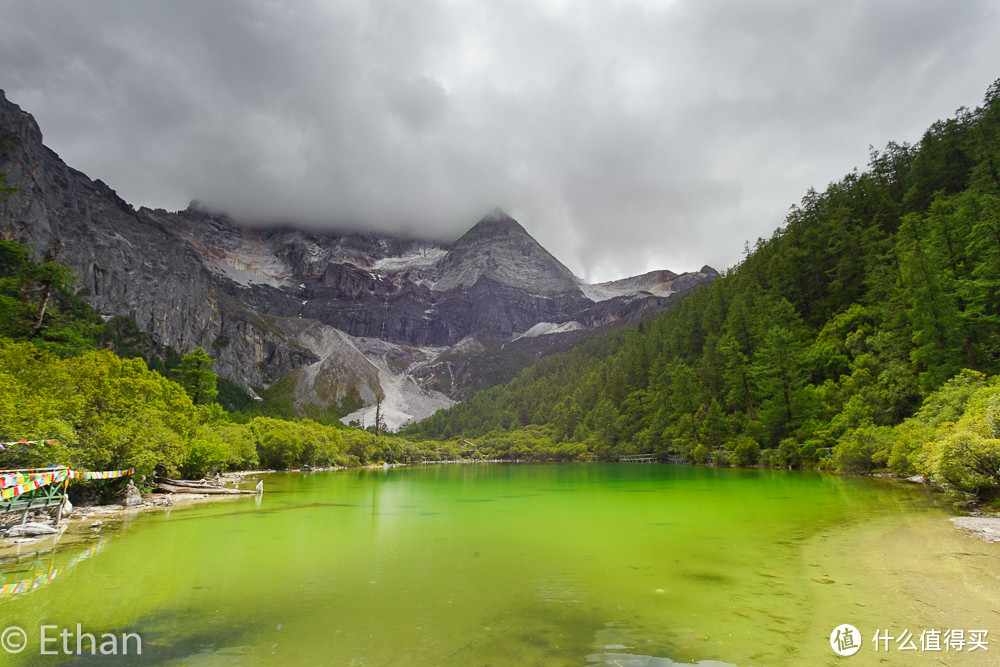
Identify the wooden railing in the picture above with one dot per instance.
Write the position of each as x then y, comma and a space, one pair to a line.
50, 495
638, 458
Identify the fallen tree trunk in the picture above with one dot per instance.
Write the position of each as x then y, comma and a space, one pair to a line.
194, 488
187, 482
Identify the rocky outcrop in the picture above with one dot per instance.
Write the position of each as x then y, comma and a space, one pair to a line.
129, 262
631, 298
494, 281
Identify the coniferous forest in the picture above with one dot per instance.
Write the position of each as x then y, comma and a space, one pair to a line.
864, 334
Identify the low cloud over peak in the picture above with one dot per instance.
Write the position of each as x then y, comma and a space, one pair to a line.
624, 136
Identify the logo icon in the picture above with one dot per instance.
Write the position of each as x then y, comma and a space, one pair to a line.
845, 639
13, 639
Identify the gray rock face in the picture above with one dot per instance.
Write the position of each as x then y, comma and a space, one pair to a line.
196, 279
499, 250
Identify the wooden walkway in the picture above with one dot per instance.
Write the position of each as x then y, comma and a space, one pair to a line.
638, 458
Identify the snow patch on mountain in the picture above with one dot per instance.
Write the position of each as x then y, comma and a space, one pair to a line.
546, 328
420, 258
249, 270
596, 293
368, 365
246, 260
404, 401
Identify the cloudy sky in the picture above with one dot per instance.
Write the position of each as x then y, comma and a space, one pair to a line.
625, 135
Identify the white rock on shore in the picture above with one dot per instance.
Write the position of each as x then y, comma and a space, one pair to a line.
982, 528
31, 529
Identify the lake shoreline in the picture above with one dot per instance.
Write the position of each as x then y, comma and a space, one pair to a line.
974, 524
89, 519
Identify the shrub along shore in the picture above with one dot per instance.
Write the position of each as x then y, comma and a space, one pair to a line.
103, 412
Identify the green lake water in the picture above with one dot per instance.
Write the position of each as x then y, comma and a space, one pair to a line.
496, 564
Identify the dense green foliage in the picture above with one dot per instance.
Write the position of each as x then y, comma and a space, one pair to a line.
37, 303
106, 412
954, 438
109, 413
278, 401
872, 296
5, 190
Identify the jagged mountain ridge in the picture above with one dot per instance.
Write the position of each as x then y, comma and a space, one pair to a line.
494, 283
373, 313
491, 283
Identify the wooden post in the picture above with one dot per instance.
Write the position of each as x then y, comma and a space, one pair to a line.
62, 503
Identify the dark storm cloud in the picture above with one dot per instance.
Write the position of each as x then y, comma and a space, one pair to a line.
625, 135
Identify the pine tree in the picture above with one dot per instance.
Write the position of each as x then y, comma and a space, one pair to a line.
194, 374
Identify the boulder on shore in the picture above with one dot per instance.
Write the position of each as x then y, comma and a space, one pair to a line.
132, 496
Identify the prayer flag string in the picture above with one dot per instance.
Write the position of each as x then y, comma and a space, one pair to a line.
41, 443
107, 474
14, 484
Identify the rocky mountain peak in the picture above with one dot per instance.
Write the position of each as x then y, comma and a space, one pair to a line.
19, 125
495, 223
500, 250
